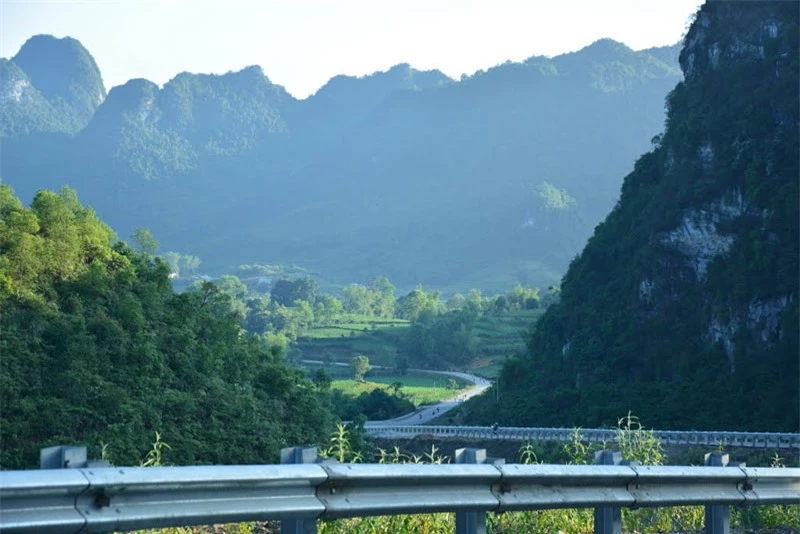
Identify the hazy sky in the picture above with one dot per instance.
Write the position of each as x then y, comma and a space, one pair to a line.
302, 43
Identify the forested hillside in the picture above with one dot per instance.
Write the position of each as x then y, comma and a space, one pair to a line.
51, 86
683, 307
96, 349
484, 182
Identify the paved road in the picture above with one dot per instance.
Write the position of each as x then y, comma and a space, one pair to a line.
426, 414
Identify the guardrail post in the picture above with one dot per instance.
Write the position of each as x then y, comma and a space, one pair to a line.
67, 456
298, 455
607, 519
470, 522
62, 457
718, 516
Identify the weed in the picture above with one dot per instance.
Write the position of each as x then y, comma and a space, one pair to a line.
154, 457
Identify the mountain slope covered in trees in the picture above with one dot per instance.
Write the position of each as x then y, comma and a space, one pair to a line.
484, 182
97, 349
50, 86
683, 307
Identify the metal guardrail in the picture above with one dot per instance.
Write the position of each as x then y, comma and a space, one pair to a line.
126, 498
597, 435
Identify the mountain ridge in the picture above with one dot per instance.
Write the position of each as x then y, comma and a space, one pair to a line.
338, 174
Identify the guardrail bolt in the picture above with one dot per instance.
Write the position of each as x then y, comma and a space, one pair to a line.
102, 500
298, 455
718, 516
607, 519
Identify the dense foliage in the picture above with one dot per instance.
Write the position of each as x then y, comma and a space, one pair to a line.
98, 349
484, 182
376, 405
436, 334
684, 304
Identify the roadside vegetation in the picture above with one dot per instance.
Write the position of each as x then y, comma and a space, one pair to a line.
96, 347
633, 441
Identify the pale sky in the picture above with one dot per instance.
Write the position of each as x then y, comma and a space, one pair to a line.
301, 44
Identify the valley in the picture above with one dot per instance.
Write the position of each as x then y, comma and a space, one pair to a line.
545, 258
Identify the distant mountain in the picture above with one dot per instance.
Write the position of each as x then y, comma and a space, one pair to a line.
667, 54
497, 178
51, 85
347, 99
683, 306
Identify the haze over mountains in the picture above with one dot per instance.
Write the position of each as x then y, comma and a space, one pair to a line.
497, 178
683, 306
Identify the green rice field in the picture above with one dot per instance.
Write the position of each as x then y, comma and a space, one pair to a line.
498, 337
420, 389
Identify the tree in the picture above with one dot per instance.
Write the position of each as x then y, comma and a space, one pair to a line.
382, 297
357, 299
287, 292
173, 259
99, 329
456, 302
475, 300
231, 285
327, 309
416, 302
322, 380
361, 367
145, 241
305, 289
282, 292
257, 315
521, 298
190, 263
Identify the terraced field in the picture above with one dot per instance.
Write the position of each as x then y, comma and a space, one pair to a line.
378, 339
498, 337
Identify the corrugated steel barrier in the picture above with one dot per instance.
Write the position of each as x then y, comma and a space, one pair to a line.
598, 435
103, 499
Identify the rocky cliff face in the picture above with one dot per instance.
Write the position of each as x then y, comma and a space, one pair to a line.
758, 40
683, 307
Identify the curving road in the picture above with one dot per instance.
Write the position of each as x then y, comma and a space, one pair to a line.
409, 425
426, 414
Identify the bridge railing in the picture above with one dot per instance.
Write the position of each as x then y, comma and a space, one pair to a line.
104, 499
598, 435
